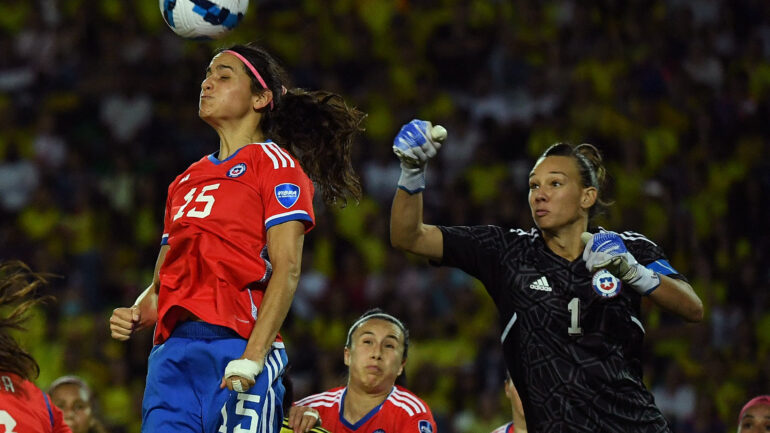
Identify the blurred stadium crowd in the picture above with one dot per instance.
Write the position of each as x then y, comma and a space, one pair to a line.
98, 103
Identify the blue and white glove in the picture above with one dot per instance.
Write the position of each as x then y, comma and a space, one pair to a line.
606, 250
415, 144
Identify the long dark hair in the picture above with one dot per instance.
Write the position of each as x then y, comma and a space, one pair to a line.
317, 127
17, 291
591, 167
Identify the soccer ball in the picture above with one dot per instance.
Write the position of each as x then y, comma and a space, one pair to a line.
203, 19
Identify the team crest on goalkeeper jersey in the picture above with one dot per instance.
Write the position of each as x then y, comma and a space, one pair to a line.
606, 284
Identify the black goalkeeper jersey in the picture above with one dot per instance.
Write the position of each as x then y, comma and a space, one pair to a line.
572, 349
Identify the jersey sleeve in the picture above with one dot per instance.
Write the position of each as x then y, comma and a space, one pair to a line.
419, 423
167, 216
473, 249
286, 191
650, 255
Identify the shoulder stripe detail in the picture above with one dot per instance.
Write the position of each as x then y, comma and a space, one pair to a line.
638, 323
282, 153
404, 406
508, 328
269, 154
407, 401
327, 399
276, 154
634, 236
532, 233
414, 399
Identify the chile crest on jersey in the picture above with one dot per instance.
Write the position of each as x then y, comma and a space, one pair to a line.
606, 284
237, 170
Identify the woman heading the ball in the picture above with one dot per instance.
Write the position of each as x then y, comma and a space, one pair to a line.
231, 251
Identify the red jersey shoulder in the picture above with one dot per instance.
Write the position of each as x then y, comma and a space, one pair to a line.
407, 401
328, 398
26, 409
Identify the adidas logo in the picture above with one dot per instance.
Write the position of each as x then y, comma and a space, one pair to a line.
541, 284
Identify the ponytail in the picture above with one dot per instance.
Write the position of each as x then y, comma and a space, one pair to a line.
317, 127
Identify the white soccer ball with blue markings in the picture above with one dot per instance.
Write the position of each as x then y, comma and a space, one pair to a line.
203, 19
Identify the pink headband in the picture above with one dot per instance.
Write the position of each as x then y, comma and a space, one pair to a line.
762, 399
252, 69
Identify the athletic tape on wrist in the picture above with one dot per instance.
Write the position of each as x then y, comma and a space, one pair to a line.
244, 368
237, 385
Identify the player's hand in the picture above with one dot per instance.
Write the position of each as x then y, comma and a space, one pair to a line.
606, 250
417, 142
124, 321
303, 418
241, 374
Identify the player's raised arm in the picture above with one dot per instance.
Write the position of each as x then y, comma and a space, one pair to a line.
415, 144
125, 321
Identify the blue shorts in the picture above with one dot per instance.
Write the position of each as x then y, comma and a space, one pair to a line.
182, 392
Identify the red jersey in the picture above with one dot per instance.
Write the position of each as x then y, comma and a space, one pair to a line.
24, 408
216, 222
401, 412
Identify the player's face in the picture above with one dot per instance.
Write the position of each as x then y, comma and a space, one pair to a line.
376, 356
226, 91
557, 197
755, 420
73, 401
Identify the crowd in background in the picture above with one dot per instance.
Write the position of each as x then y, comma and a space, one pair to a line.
98, 103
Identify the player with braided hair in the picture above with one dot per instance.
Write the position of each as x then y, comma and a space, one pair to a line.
568, 302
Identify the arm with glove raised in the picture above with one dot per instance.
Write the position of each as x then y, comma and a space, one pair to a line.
415, 144
606, 250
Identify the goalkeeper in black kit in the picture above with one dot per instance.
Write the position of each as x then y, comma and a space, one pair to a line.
568, 293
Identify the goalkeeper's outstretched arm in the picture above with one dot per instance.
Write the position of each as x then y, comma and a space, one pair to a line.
416, 143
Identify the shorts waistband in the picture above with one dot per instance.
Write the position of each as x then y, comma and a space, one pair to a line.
197, 329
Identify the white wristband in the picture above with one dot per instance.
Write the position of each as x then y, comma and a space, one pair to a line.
645, 281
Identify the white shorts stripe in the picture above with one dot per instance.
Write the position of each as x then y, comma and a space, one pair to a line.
270, 154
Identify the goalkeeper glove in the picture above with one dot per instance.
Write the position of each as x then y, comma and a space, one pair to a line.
606, 250
415, 144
